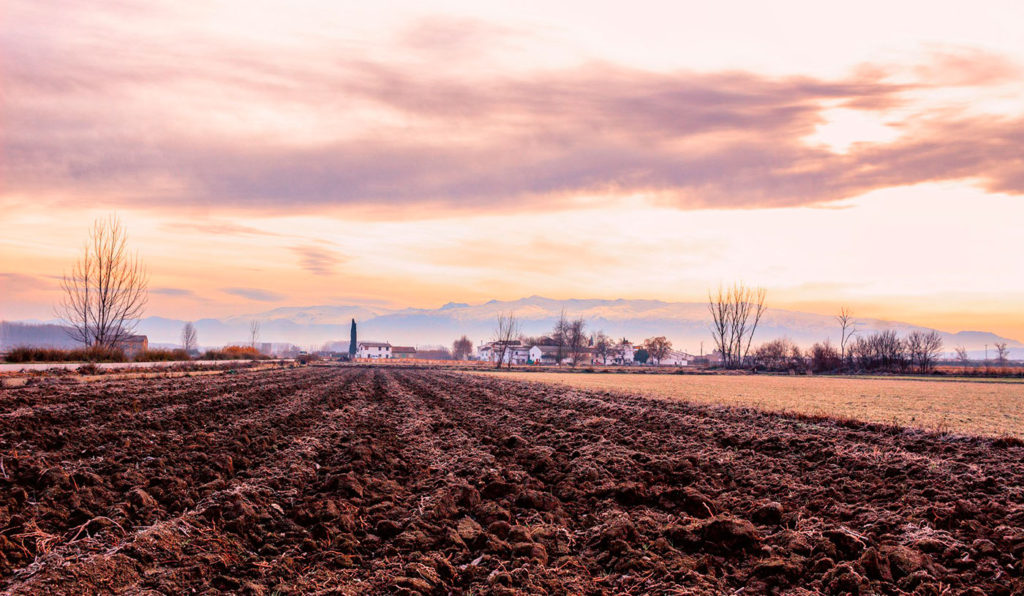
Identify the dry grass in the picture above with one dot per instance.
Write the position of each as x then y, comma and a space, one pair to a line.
965, 407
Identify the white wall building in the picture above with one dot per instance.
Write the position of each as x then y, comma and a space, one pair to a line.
515, 353
373, 349
537, 354
621, 354
676, 358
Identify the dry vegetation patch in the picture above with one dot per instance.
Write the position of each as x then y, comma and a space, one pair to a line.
983, 407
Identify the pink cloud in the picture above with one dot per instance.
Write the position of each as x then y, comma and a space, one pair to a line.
80, 123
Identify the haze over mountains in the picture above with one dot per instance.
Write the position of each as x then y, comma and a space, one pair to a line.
685, 323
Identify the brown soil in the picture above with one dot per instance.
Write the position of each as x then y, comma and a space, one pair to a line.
360, 480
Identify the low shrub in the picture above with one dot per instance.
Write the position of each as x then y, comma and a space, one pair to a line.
161, 355
90, 369
234, 353
25, 354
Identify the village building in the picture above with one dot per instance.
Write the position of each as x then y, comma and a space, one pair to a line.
621, 354
545, 355
403, 352
373, 349
514, 352
549, 355
676, 358
133, 345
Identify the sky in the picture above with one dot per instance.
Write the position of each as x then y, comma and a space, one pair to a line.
264, 154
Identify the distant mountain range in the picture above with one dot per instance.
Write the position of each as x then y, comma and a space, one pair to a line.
685, 323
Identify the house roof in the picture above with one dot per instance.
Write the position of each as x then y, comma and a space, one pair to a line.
403, 350
550, 350
374, 344
680, 354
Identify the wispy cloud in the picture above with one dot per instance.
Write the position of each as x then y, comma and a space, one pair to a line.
20, 282
175, 292
217, 228
424, 138
255, 294
317, 259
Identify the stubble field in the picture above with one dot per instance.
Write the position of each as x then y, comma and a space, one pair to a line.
351, 480
982, 407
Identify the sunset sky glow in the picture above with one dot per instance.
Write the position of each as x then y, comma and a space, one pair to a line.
266, 154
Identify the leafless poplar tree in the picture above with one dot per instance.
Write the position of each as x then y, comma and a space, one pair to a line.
254, 332
189, 337
561, 337
576, 339
105, 294
735, 314
505, 333
1002, 353
961, 355
603, 345
846, 325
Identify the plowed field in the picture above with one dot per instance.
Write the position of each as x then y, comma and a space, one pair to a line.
363, 480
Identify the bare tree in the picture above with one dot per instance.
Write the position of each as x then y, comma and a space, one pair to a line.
882, 350
462, 348
254, 332
505, 333
846, 325
105, 294
1002, 353
735, 314
962, 356
774, 354
189, 337
923, 348
658, 348
603, 345
576, 339
824, 358
561, 338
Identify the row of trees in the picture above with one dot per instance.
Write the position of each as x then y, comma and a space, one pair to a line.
880, 351
736, 312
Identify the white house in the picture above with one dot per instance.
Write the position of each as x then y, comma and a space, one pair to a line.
676, 358
514, 353
621, 353
544, 354
373, 349
549, 355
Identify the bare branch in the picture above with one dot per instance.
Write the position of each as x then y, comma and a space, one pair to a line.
254, 333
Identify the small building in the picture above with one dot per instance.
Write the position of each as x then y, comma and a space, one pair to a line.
676, 358
621, 354
133, 345
373, 349
404, 352
512, 352
546, 355
586, 357
518, 355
